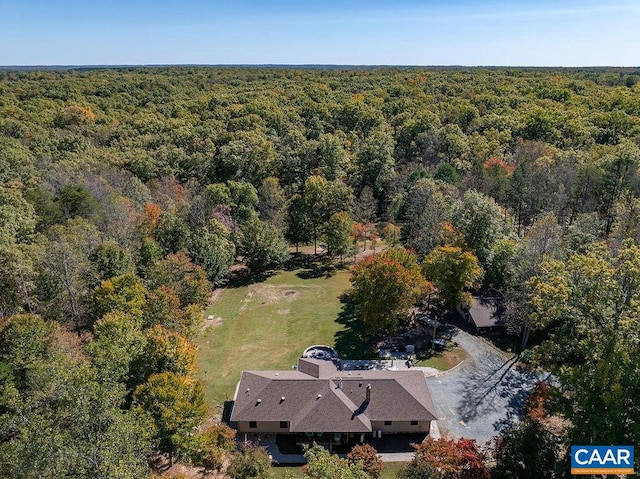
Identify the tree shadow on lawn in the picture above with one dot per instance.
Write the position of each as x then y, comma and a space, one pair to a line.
321, 267
352, 342
493, 385
245, 277
301, 260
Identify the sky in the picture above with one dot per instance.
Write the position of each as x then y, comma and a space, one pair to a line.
343, 32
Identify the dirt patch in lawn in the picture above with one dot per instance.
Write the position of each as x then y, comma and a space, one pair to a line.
270, 294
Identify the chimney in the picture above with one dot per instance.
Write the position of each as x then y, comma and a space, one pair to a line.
368, 393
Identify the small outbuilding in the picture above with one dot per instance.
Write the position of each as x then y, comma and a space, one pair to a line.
486, 313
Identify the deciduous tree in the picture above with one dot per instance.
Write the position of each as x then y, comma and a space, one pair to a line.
368, 457
452, 270
17, 216
176, 404
172, 233
587, 308
164, 351
481, 222
298, 224
212, 248
252, 463
118, 341
24, 339
176, 271
111, 260
18, 276
324, 465
384, 286
271, 201
443, 459
391, 234
337, 233
67, 270
425, 209
124, 293
534, 447
262, 245
70, 423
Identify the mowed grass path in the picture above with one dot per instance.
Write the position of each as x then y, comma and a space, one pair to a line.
267, 325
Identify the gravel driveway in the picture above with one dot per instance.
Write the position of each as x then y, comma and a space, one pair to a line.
482, 396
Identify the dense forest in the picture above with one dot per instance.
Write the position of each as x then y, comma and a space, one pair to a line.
127, 194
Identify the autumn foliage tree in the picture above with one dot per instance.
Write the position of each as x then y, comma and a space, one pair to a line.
163, 307
384, 286
368, 457
587, 308
124, 293
262, 245
447, 459
391, 234
165, 351
188, 280
451, 270
213, 445
533, 448
176, 404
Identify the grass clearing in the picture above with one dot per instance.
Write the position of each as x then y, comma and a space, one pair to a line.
445, 360
267, 325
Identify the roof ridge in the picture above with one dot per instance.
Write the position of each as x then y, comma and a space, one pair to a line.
429, 407
338, 394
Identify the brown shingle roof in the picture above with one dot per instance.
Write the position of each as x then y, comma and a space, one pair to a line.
317, 368
486, 312
333, 412
334, 402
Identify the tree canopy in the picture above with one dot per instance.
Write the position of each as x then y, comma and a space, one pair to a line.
128, 194
384, 286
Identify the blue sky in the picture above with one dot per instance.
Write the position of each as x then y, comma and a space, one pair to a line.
363, 32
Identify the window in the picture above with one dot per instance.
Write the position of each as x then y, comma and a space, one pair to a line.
284, 424
388, 423
252, 425
414, 423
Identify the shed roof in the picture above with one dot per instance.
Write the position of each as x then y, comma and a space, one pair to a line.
486, 312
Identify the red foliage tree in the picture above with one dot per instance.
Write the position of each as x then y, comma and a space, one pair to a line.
495, 163
366, 454
451, 459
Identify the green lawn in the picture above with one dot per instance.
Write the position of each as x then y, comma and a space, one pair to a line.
267, 325
445, 360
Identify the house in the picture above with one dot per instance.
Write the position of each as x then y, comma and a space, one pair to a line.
319, 401
486, 313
